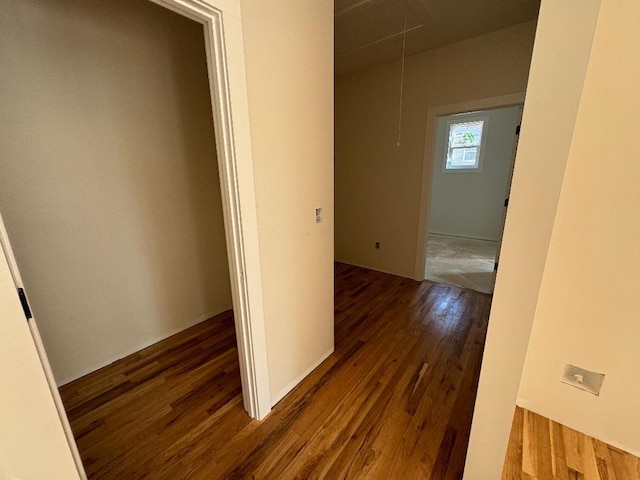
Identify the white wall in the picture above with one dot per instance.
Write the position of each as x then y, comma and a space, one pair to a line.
110, 190
378, 184
471, 204
289, 62
550, 110
587, 311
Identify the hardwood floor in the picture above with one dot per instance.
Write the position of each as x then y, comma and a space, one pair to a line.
393, 402
542, 449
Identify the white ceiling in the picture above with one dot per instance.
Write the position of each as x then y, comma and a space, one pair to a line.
369, 32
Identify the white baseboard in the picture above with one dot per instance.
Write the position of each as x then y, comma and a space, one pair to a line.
523, 403
375, 269
137, 348
281, 394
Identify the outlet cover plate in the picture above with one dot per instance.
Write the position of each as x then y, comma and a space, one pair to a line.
583, 379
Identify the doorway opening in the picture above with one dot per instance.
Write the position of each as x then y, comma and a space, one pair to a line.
472, 158
123, 211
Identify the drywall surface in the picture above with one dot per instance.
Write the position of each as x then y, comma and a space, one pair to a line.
289, 63
588, 308
471, 204
550, 110
378, 184
32, 443
110, 190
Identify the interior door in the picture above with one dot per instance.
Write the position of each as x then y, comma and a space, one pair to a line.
508, 191
35, 438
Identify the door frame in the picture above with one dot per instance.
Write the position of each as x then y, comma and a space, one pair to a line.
224, 45
221, 21
507, 193
428, 158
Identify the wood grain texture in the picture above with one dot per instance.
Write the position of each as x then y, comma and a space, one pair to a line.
394, 401
545, 450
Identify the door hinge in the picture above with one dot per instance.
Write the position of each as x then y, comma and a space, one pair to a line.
25, 303
518, 130
506, 202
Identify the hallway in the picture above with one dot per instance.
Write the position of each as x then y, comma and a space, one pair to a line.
393, 401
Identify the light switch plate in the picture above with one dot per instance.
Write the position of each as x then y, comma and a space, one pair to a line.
583, 379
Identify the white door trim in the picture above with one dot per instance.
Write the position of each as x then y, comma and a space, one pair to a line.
427, 164
227, 84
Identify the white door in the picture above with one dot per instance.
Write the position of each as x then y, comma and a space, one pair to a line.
35, 437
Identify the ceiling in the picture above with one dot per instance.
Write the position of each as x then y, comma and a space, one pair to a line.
369, 32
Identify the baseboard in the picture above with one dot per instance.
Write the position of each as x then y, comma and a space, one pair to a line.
522, 403
139, 347
282, 393
375, 269
457, 235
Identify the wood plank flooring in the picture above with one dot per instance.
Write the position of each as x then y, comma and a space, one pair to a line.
545, 450
393, 402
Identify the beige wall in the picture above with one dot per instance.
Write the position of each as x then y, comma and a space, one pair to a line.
550, 110
289, 62
587, 312
110, 190
378, 184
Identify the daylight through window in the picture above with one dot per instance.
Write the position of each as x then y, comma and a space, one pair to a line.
465, 141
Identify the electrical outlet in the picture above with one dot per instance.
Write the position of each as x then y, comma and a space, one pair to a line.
377, 245
583, 379
318, 215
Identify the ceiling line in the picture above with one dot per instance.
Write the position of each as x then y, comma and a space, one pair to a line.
357, 5
388, 37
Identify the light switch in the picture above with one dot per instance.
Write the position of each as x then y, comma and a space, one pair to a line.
583, 379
